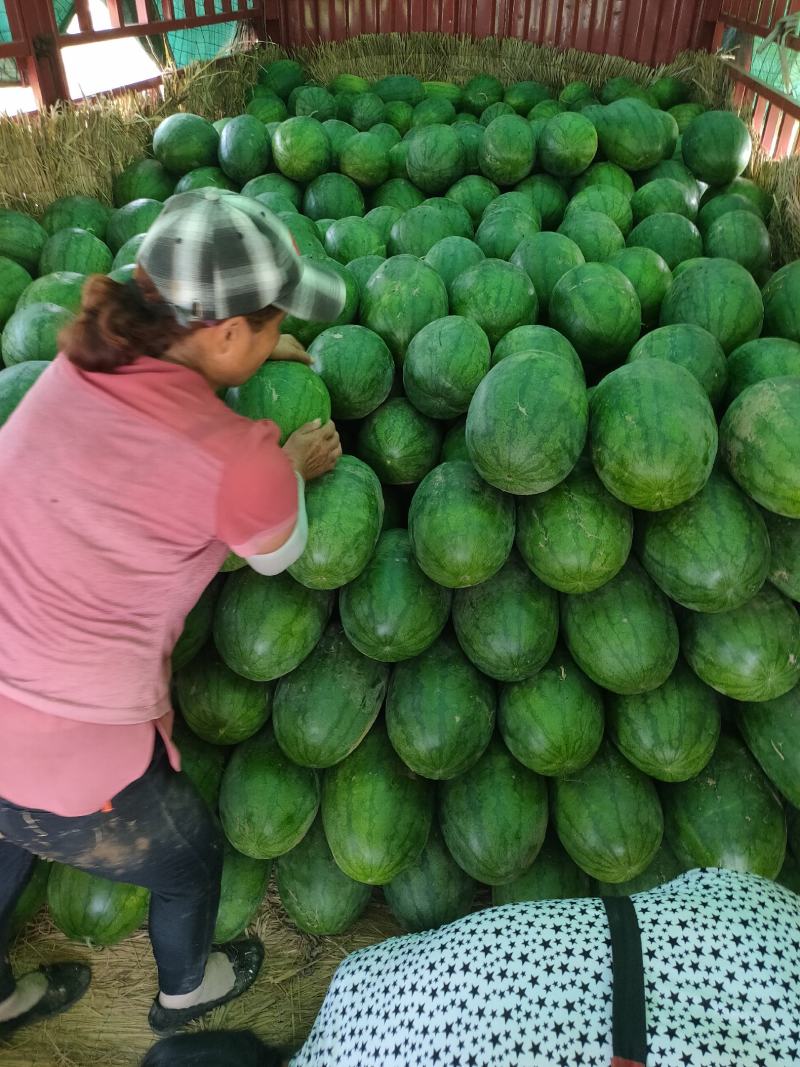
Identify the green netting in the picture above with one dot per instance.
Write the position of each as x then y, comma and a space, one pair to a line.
766, 66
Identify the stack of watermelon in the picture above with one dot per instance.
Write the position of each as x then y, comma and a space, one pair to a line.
544, 635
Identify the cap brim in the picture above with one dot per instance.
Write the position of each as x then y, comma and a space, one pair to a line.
319, 296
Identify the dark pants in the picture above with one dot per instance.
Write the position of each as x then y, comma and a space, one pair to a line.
159, 835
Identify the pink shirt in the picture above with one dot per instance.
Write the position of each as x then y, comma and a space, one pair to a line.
121, 495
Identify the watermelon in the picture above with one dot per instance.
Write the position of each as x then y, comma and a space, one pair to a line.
500, 232
671, 732
553, 876
203, 764
277, 183
282, 76
516, 200
524, 95
631, 134
435, 158
219, 706
669, 91
432, 891
265, 627
400, 87
400, 115
663, 868
750, 653
339, 133
350, 238
326, 706
497, 295
480, 92
385, 307
454, 446
676, 171
377, 814
766, 357
434, 110
674, 237
784, 538
345, 514
95, 910
301, 149
145, 179
197, 627
728, 816
769, 729
608, 817
597, 309
439, 711
711, 553
32, 899
451, 256
365, 160
399, 192
742, 237
537, 339
684, 114
759, 442
127, 254
576, 536
546, 258
597, 235
21, 239
781, 302
362, 268
545, 109
526, 424
367, 111
623, 635
494, 816
567, 145
508, 624
714, 210
32, 333
496, 111
444, 365
453, 495
77, 251
663, 195
691, 347
64, 288
552, 722
605, 174
315, 102
653, 434
617, 88
747, 188
264, 110
606, 200
448, 90
506, 151
716, 147
14, 281
475, 193
400, 444
718, 295
82, 212
387, 134
135, 217
319, 898
244, 148
418, 230
184, 141
356, 367
15, 381
244, 886
650, 277
547, 197
290, 394
393, 611
382, 219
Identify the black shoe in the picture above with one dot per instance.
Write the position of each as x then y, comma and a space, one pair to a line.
246, 957
66, 984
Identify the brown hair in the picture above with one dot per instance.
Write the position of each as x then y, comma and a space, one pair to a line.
118, 322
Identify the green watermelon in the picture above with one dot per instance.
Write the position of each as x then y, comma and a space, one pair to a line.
145, 179
128, 253
345, 514
663, 868
219, 706
400, 115
552, 722
597, 235
400, 87
282, 76
481, 92
746, 187
418, 230
356, 367
197, 627
21, 239
674, 237
126, 222
653, 434
671, 732
448, 90
684, 114
515, 200
393, 611
650, 277
553, 876
265, 627
677, 171
64, 288
439, 711
32, 333
350, 238
14, 281
400, 444
770, 729
663, 195
714, 210
435, 158
315, 102
545, 109
433, 110
669, 91
573, 92
495, 111
605, 174
444, 365
526, 424
377, 814
244, 886
524, 95
203, 764
277, 183
83, 212
474, 192
537, 339
319, 898
245, 148
301, 149
32, 899
749, 653
326, 706
716, 147
451, 256
508, 624
567, 145
506, 150
385, 307
382, 219
365, 160
782, 302
266, 803
631, 134
784, 538
290, 394
387, 134
766, 357
623, 635
597, 309
183, 141
494, 816
576, 536
547, 197
95, 910
77, 251
501, 232
608, 817
264, 110
15, 381
362, 268
711, 553
398, 192
606, 200
742, 237
728, 816
546, 258
718, 295
339, 133
691, 347
431, 892
367, 111
759, 442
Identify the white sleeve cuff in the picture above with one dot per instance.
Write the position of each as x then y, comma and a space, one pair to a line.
272, 563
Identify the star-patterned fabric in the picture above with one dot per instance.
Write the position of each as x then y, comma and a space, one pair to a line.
529, 985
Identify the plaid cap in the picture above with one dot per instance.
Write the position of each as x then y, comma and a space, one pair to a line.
213, 254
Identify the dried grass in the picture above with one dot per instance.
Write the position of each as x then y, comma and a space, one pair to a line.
781, 178
109, 1026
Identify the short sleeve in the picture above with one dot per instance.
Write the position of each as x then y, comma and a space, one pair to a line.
258, 491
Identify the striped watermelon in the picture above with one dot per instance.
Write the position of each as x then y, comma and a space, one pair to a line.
244, 886
126, 222
769, 729
781, 302
784, 539
766, 357
21, 239
720, 296
650, 277
597, 309
219, 706
15, 381
14, 281
497, 295
83, 212
431, 892
77, 251
385, 307
32, 333
399, 443
546, 258
716, 147
88, 908
146, 178
691, 347
356, 367
674, 237
289, 394
553, 876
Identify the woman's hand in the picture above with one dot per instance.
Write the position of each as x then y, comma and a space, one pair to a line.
289, 348
314, 449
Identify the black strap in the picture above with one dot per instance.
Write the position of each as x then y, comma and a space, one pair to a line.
629, 1016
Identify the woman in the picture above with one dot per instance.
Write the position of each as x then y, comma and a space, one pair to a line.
126, 481
701, 972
